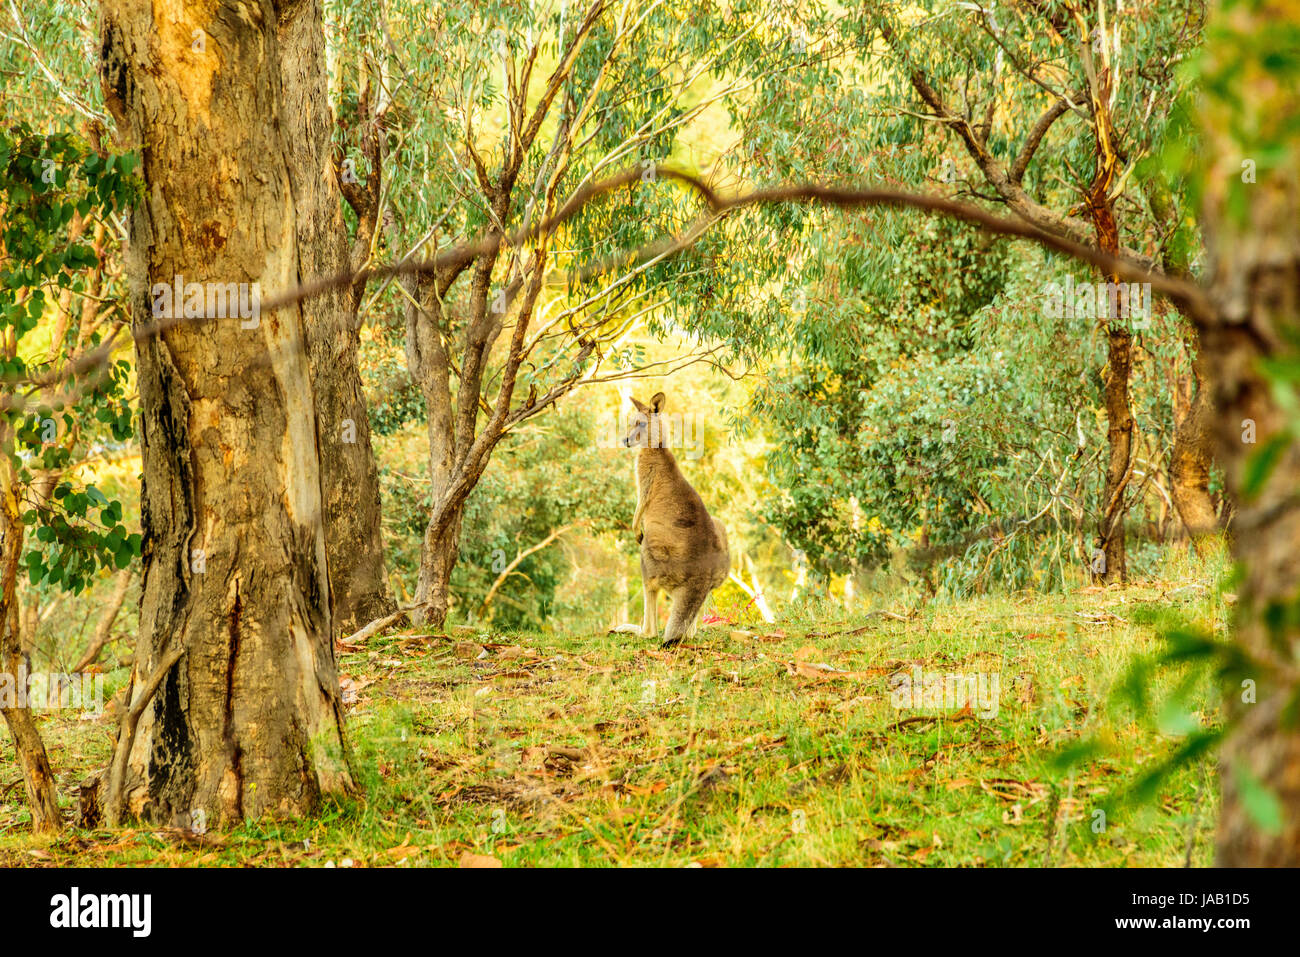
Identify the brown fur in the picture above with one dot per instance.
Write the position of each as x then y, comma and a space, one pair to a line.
683, 548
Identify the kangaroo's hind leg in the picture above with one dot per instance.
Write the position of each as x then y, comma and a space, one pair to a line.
685, 613
650, 615
649, 626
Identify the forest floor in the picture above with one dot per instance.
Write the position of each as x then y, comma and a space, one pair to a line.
757, 745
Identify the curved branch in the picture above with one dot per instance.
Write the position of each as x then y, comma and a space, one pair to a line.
1050, 116
1187, 294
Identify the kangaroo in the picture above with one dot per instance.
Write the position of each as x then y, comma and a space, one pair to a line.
683, 548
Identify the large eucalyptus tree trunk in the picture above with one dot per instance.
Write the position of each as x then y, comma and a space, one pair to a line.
1253, 239
249, 722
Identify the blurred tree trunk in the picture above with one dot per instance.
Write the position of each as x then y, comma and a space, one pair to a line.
1252, 226
1113, 563
250, 721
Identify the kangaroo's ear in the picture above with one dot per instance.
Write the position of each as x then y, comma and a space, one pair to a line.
638, 404
657, 402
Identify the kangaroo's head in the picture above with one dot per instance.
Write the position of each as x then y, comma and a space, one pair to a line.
645, 431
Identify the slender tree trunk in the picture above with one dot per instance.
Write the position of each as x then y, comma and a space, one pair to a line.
104, 627
1119, 339
350, 479
437, 560
250, 721
1119, 442
430, 367
1252, 231
622, 595
38, 777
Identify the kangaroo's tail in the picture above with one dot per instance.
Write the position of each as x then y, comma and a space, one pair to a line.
687, 602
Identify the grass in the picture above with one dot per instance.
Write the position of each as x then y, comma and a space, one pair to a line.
761, 746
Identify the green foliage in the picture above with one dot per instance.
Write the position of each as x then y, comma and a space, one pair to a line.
547, 475
47, 182
925, 402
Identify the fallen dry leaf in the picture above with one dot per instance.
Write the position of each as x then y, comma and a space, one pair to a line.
402, 851
854, 702
654, 788
820, 671
351, 687
478, 860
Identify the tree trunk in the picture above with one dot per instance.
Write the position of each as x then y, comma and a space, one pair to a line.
38, 777
1119, 441
1263, 748
438, 557
1192, 452
250, 721
430, 367
1252, 234
349, 479
1119, 337
1191, 456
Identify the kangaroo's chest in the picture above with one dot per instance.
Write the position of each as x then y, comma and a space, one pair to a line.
649, 483
644, 485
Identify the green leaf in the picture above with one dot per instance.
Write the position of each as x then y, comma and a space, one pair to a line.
1260, 465
1261, 804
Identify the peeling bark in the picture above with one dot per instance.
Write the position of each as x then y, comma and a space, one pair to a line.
349, 477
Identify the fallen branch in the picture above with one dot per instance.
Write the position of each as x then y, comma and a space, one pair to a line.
379, 624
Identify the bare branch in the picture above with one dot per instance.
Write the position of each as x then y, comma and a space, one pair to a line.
1035, 137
